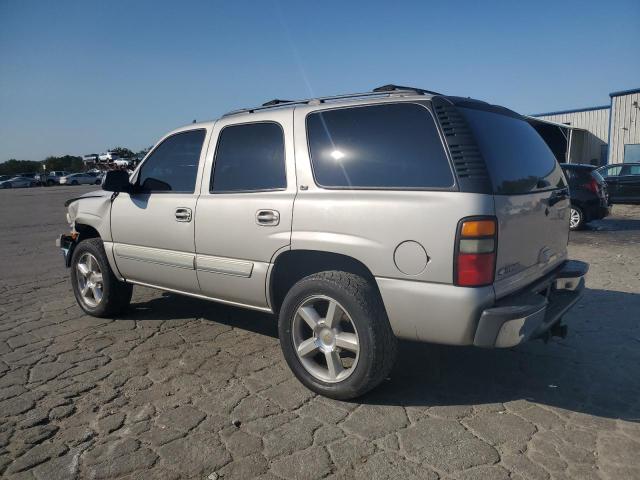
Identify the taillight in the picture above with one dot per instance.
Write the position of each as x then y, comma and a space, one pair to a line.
475, 262
592, 185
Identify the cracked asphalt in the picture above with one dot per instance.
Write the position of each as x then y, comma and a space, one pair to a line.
183, 388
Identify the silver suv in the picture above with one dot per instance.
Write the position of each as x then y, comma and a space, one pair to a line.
358, 220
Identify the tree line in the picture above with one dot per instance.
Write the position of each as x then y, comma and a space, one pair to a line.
69, 163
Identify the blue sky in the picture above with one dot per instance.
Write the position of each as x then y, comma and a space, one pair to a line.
81, 76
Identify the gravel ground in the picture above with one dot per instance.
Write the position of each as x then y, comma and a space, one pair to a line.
183, 388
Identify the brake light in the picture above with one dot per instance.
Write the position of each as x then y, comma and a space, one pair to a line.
475, 261
592, 185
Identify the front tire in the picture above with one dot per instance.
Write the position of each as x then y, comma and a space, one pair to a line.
98, 292
576, 219
335, 334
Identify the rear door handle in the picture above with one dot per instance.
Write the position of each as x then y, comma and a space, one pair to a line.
183, 214
268, 217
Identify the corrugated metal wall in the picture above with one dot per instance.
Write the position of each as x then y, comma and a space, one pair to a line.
596, 122
625, 129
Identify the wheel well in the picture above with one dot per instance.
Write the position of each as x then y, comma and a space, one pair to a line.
293, 265
86, 231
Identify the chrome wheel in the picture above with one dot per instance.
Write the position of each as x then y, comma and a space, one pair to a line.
575, 218
325, 339
89, 280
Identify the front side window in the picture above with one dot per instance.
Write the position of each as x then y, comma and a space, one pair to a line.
249, 158
393, 145
173, 165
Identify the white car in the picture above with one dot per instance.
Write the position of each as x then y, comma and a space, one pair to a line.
80, 179
17, 182
107, 157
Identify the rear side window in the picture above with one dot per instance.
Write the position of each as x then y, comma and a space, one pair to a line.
612, 171
517, 158
173, 165
249, 158
378, 146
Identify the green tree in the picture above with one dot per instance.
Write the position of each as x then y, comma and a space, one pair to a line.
69, 163
13, 166
122, 152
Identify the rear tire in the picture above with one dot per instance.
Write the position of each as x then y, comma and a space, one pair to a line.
576, 220
97, 290
351, 348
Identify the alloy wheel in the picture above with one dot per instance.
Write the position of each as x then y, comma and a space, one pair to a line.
325, 339
574, 219
89, 280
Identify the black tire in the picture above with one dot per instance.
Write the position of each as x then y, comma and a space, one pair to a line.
377, 343
75, 182
579, 225
116, 295
50, 183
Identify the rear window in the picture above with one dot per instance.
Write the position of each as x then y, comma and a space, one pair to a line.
378, 146
517, 158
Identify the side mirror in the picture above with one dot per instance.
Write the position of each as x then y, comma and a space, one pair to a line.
116, 181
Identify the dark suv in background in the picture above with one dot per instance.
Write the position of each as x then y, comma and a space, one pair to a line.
589, 196
623, 182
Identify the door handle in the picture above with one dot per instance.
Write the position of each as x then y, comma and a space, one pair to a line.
183, 214
268, 217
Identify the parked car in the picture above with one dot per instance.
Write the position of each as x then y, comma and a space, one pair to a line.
588, 190
108, 156
416, 216
18, 182
623, 182
54, 176
5, 177
80, 179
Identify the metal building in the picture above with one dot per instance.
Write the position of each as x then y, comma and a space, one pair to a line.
596, 135
624, 130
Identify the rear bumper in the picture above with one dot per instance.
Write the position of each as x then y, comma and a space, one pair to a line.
530, 313
598, 212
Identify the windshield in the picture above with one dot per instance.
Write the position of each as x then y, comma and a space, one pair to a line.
518, 159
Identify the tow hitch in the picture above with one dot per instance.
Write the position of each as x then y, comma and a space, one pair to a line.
557, 330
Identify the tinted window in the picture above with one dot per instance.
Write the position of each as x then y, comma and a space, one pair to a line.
250, 157
518, 159
173, 165
634, 170
611, 171
390, 145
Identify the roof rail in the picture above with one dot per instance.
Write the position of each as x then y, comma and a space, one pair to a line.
275, 101
394, 88
385, 90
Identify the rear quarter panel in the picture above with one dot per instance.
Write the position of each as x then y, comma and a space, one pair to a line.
369, 225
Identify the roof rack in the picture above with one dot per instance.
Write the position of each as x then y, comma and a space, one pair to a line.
394, 88
275, 101
384, 90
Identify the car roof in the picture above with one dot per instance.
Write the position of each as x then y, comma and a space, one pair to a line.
620, 164
578, 166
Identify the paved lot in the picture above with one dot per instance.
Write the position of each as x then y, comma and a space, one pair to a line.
185, 388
